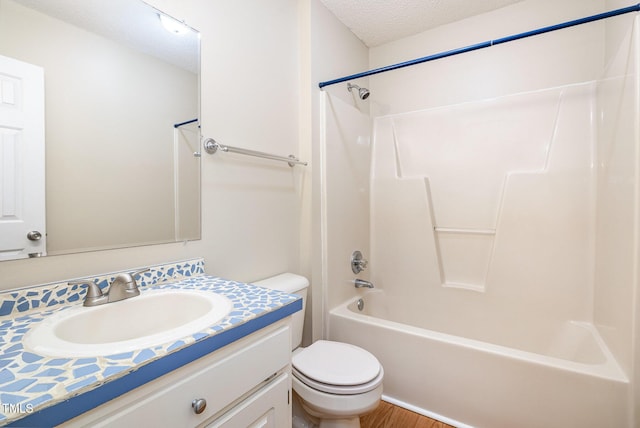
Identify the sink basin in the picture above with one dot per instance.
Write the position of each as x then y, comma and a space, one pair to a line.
152, 318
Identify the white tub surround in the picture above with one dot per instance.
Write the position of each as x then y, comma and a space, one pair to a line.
40, 390
500, 214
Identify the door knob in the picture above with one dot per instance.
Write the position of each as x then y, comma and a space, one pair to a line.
34, 235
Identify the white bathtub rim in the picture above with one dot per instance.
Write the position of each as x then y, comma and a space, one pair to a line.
609, 370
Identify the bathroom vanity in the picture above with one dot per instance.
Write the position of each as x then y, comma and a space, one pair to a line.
233, 373
247, 383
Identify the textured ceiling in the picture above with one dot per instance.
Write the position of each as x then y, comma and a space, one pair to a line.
376, 22
133, 23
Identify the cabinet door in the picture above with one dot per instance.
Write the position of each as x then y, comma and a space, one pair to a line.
269, 407
221, 378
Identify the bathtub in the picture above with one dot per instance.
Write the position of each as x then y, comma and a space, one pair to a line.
564, 377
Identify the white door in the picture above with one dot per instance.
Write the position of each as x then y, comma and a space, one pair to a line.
22, 209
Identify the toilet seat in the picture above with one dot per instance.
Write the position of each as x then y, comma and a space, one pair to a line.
339, 390
337, 368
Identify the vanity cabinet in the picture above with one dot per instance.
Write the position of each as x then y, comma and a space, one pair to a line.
244, 384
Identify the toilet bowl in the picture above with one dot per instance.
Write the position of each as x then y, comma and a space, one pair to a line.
334, 383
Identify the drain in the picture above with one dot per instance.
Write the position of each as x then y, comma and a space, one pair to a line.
360, 304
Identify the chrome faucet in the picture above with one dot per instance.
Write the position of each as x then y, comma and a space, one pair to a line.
361, 283
124, 286
358, 263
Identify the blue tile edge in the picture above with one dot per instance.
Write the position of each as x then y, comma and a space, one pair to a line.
79, 404
19, 365
19, 301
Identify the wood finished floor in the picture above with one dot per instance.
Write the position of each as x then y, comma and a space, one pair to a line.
389, 416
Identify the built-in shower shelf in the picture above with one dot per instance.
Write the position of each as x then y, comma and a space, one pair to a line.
464, 256
462, 231
472, 287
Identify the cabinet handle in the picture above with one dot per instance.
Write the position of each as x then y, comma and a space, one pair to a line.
199, 404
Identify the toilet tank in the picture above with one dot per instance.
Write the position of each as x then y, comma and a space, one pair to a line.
292, 284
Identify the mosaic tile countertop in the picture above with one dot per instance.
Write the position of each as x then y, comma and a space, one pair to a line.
30, 382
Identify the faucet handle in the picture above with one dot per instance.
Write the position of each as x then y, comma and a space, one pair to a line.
128, 278
135, 274
124, 286
358, 263
93, 290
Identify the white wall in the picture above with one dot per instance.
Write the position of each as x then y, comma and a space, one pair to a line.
603, 50
187, 178
616, 275
571, 55
339, 210
457, 191
250, 98
482, 215
347, 146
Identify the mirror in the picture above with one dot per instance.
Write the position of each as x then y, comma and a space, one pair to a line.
122, 139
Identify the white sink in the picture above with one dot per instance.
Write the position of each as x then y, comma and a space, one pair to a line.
152, 318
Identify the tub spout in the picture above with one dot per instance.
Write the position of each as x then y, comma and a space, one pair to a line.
361, 283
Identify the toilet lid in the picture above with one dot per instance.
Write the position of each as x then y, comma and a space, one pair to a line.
336, 363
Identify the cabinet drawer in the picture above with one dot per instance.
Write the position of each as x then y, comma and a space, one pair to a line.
220, 378
269, 407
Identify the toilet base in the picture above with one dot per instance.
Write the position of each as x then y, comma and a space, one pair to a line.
306, 415
302, 419
326, 421
340, 423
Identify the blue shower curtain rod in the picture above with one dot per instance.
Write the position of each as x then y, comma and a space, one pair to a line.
622, 11
178, 125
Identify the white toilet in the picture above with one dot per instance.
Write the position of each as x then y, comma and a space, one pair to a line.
335, 383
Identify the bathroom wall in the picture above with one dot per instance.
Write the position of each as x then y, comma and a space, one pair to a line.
553, 59
339, 208
482, 213
575, 55
603, 211
250, 98
460, 144
616, 280
467, 149
187, 172
347, 146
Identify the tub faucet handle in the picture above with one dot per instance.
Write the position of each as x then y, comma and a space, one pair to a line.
358, 263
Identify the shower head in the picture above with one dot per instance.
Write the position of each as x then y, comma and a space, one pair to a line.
363, 93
